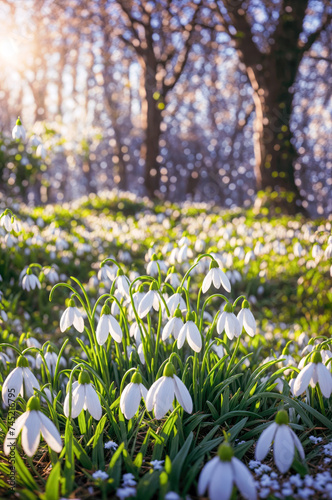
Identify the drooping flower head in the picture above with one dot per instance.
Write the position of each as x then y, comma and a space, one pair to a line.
72, 316
190, 332
220, 474
246, 319
32, 423
161, 394
108, 325
21, 381
217, 277
313, 373
285, 442
18, 131
132, 395
84, 397
228, 321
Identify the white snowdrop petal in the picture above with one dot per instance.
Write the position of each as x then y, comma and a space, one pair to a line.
78, 321
30, 382
168, 328
115, 329
31, 433
13, 381
283, 449
243, 479
182, 335
146, 304
225, 281
64, 323
163, 397
240, 318
264, 442
207, 282
221, 482
182, 395
130, 400
144, 391
13, 432
249, 322
194, 337
324, 379
205, 475
102, 330
216, 278
151, 393
298, 444
221, 323
50, 433
92, 402
303, 379
78, 400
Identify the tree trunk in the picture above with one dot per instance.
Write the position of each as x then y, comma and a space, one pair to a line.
274, 152
152, 136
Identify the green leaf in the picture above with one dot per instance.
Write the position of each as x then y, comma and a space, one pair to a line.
69, 467
24, 473
53, 483
178, 462
82, 455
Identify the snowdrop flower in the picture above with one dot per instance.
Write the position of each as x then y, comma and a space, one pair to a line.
152, 267
220, 474
51, 359
140, 353
30, 281
34, 141
108, 325
317, 251
228, 321
285, 442
132, 395
122, 283
4, 358
18, 131
297, 249
190, 332
246, 319
32, 423
52, 275
151, 299
84, 397
217, 277
72, 316
21, 381
175, 301
135, 331
41, 151
172, 277
107, 272
249, 256
184, 254
173, 326
313, 373
219, 350
328, 249
6, 220
161, 394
